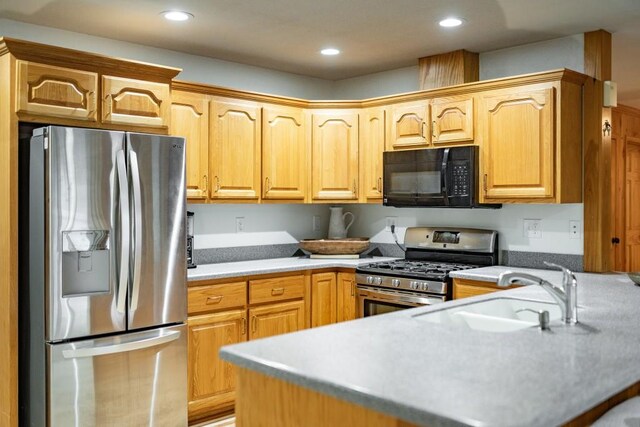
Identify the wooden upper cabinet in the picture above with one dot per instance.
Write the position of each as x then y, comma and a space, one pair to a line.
135, 102
55, 91
190, 119
211, 386
372, 144
409, 126
284, 153
518, 145
335, 155
452, 120
347, 297
234, 156
276, 319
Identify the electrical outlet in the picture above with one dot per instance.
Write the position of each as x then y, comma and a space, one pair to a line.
574, 229
239, 224
389, 221
532, 228
316, 223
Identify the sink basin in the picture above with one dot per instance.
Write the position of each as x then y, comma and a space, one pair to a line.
494, 315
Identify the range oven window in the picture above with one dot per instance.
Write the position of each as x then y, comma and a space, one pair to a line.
374, 307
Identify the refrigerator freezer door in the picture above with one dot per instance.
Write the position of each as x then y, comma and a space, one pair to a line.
82, 239
158, 272
134, 379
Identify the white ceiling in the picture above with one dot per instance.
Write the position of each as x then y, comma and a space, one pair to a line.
374, 35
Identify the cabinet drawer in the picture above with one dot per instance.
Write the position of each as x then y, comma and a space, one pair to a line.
55, 91
217, 297
276, 289
135, 102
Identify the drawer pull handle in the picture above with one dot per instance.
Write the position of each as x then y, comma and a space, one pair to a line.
214, 300
277, 291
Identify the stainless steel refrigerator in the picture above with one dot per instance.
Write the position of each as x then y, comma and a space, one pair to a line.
103, 288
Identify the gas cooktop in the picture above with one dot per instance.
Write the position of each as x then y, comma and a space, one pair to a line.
414, 268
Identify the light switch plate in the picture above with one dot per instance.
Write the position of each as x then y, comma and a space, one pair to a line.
532, 228
239, 224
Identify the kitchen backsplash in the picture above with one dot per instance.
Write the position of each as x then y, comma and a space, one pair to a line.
272, 231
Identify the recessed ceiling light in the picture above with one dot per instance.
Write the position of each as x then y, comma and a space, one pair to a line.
176, 15
451, 22
330, 51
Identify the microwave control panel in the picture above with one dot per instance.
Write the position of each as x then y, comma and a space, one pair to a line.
460, 179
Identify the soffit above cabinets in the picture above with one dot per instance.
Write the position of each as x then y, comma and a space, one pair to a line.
288, 34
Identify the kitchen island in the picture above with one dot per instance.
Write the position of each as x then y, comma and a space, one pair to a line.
406, 371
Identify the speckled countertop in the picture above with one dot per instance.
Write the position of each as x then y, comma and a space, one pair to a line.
490, 274
277, 265
443, 375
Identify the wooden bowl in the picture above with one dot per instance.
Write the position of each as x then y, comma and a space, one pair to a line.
350, 245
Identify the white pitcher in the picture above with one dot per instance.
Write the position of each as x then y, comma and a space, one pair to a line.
337, 229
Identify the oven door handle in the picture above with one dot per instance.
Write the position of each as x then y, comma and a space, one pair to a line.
396, 297
444, 180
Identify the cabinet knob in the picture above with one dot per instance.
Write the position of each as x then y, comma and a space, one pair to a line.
615, 240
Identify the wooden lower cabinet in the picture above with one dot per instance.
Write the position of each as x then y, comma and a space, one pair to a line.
464, 288
333, 298
211, 380
324, 299
347, 297
276, 319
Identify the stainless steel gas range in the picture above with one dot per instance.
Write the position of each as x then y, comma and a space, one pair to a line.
422, 278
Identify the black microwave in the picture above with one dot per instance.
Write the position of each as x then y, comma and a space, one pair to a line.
432, 177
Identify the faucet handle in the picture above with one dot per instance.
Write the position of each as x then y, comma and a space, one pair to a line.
566, 273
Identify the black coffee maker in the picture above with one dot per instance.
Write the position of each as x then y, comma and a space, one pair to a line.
190, 263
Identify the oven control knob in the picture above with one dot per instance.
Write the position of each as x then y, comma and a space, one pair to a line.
413, 285
369, 280
377, 280
395, 282
425, 286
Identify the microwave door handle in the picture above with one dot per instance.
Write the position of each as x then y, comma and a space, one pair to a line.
125, 229
444, 180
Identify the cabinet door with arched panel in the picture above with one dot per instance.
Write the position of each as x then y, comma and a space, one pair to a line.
234, 157
335, 155
452, 120
190, 120
47, 90
284, 153
518, 145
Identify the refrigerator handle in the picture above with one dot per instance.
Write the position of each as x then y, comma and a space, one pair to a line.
122, 347
137, 218
125, 226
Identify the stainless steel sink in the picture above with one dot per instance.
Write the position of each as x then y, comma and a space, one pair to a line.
494, 315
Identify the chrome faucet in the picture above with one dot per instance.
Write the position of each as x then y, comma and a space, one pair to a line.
566, 297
